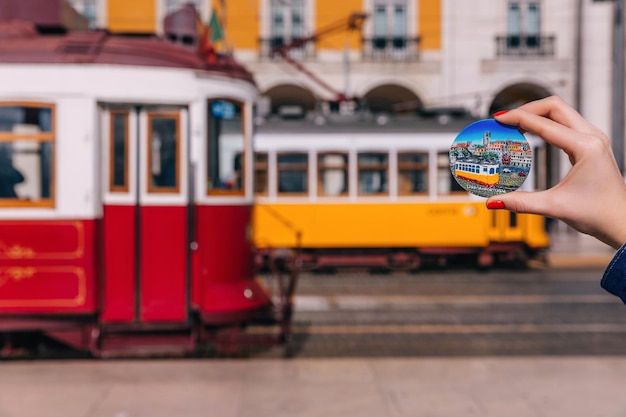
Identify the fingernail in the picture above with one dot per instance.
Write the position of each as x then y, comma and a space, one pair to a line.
500, 113
496, 204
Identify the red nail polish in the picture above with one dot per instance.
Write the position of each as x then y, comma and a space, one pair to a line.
500, 113
496, 204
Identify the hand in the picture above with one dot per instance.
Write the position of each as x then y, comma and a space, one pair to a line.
592, 196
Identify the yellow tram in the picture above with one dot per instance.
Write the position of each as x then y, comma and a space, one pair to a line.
483, 173
382, 196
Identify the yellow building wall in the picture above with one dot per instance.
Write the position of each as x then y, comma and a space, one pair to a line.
329, 12
429, 24
136, 16
241, 23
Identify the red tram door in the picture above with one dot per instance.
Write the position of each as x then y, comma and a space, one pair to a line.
145, 250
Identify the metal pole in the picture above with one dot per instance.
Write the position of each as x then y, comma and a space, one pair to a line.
578, 71
618, 84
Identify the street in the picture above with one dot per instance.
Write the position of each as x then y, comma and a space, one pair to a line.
540, 343
561, 311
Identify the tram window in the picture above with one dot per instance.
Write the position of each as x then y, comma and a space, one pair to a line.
446, 184
412, 173
163, 158
292, 173
372, 173
26, 154
119, 152
260, 173
225, 148
333, 174
513, 220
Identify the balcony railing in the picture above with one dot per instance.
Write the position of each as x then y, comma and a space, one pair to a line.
374, 49
268, 44
525, 45
391, 48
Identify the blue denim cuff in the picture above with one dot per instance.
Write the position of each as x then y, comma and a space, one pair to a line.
614, 277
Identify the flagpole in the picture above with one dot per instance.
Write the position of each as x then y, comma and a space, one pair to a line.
227, 45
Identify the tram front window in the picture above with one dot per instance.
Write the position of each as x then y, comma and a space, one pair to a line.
225, 148
26, 154
164, 152
119, 151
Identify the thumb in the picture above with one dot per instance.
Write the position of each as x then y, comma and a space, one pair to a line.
521, 202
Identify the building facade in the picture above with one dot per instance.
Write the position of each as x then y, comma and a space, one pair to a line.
430, 56
481, 55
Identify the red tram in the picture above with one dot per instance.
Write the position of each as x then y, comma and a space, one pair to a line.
126, 194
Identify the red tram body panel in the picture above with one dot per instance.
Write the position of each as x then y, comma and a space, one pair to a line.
126, 195
224, 257
48, 267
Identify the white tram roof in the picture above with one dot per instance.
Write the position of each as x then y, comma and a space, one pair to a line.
364, 123
361, 131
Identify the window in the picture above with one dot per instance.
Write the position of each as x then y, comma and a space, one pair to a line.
446, 184
164, 152
372, 173
27, 154
260, 173
514, 25
390, 24
333, 174
524, 35
523, 24
292, 173
412, 173
287, 23
118, 168
225, 148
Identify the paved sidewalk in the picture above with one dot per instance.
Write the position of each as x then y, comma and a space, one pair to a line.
429, 387
572, 249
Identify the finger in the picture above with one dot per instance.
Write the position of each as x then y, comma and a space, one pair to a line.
552, 132
556, 109
523, 202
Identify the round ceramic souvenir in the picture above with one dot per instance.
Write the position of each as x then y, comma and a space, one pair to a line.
489, 158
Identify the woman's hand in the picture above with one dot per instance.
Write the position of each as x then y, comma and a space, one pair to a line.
592, 196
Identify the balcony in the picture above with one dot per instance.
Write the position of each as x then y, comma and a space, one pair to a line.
267, 45
525, 45
391, 48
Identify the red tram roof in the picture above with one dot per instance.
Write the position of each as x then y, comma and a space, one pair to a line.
21, 43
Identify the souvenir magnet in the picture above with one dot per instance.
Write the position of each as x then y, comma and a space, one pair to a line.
489, 158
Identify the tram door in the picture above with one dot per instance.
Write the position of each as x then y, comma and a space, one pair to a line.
505, 226
145, 258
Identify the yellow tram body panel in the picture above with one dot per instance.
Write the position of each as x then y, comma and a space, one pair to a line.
391, 225
484, 179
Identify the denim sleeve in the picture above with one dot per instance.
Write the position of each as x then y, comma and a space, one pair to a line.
614, 277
